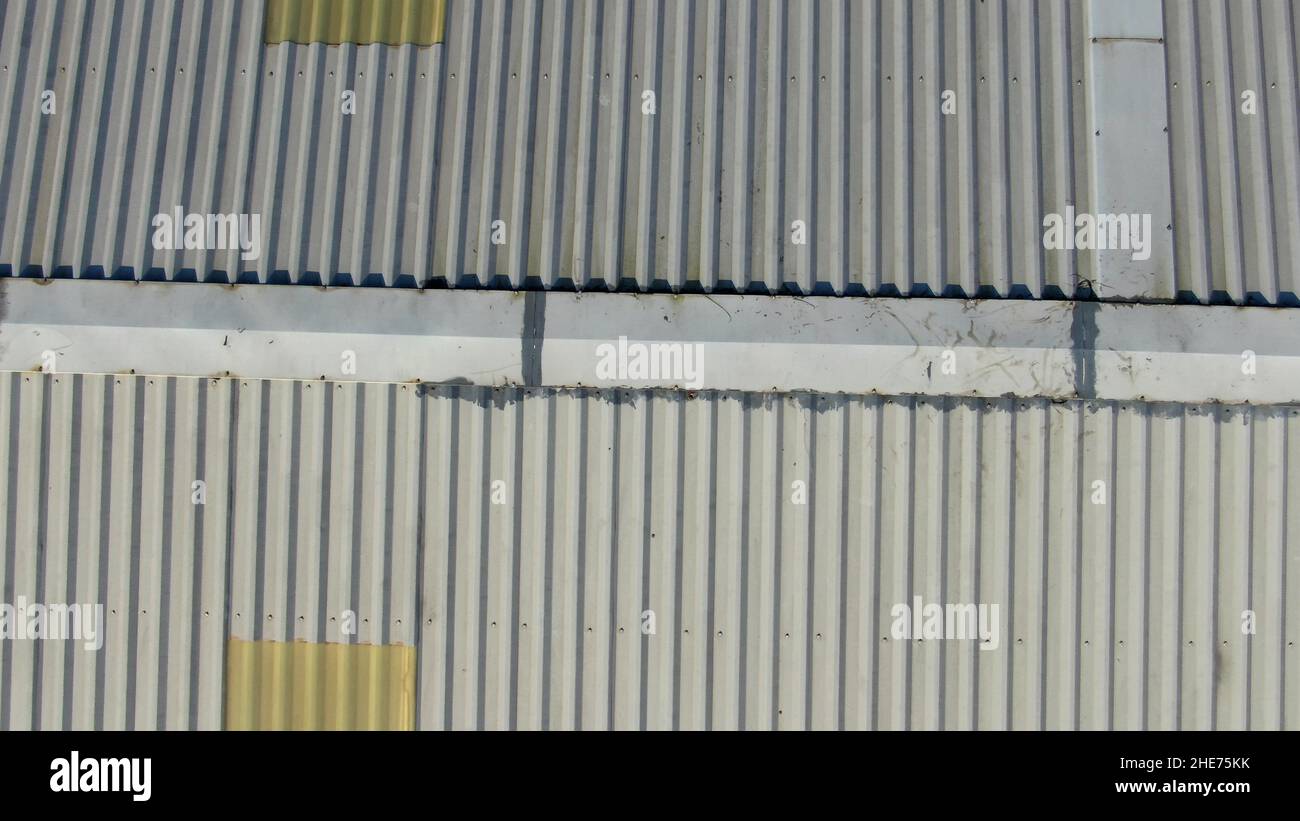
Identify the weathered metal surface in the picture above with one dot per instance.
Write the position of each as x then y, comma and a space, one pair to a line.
517, 538
1234, 100
937, 347
533, 114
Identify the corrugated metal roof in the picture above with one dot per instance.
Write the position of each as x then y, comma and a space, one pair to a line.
531, 113
1236, 175
525, 598
394, 22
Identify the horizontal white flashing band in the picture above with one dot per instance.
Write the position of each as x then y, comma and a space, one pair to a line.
1055, 349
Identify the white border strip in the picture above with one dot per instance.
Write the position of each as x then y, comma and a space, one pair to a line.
1127, 113
1055, 349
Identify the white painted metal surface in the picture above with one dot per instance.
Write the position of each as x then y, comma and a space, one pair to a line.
1054, 349
517, 537
1128, 117
216, 330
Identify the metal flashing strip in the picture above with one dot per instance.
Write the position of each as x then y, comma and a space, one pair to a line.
1128, 119
991, 348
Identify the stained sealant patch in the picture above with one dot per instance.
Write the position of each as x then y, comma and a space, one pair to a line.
533, 335
1083, 339
391, 22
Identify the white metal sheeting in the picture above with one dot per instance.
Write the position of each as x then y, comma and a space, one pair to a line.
1236, 158
531, 113
1054, 349
526, 598
765, 113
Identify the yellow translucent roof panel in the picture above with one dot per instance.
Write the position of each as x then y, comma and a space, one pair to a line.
297, 685
392, 22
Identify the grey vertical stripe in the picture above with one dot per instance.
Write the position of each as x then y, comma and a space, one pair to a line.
679, 570
259, 614
810, 613
42, 540
105, 537
622, 400
1016, 539
453, 457
585, 501
515, 496
1112, 480
74, 533
11, 545
390, 494
358, 500
877, 438
910, 560
132, 619
291, 615
232, 464
548, 592
1215, 498
326, 493
747, 404
1285, 640
943, 586
1147, 467
1250, 550
484, 400
647, 545
11, 542
979, 554
778, 511
421, 552
168, 549
846, 499
197, 613
1045, 537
